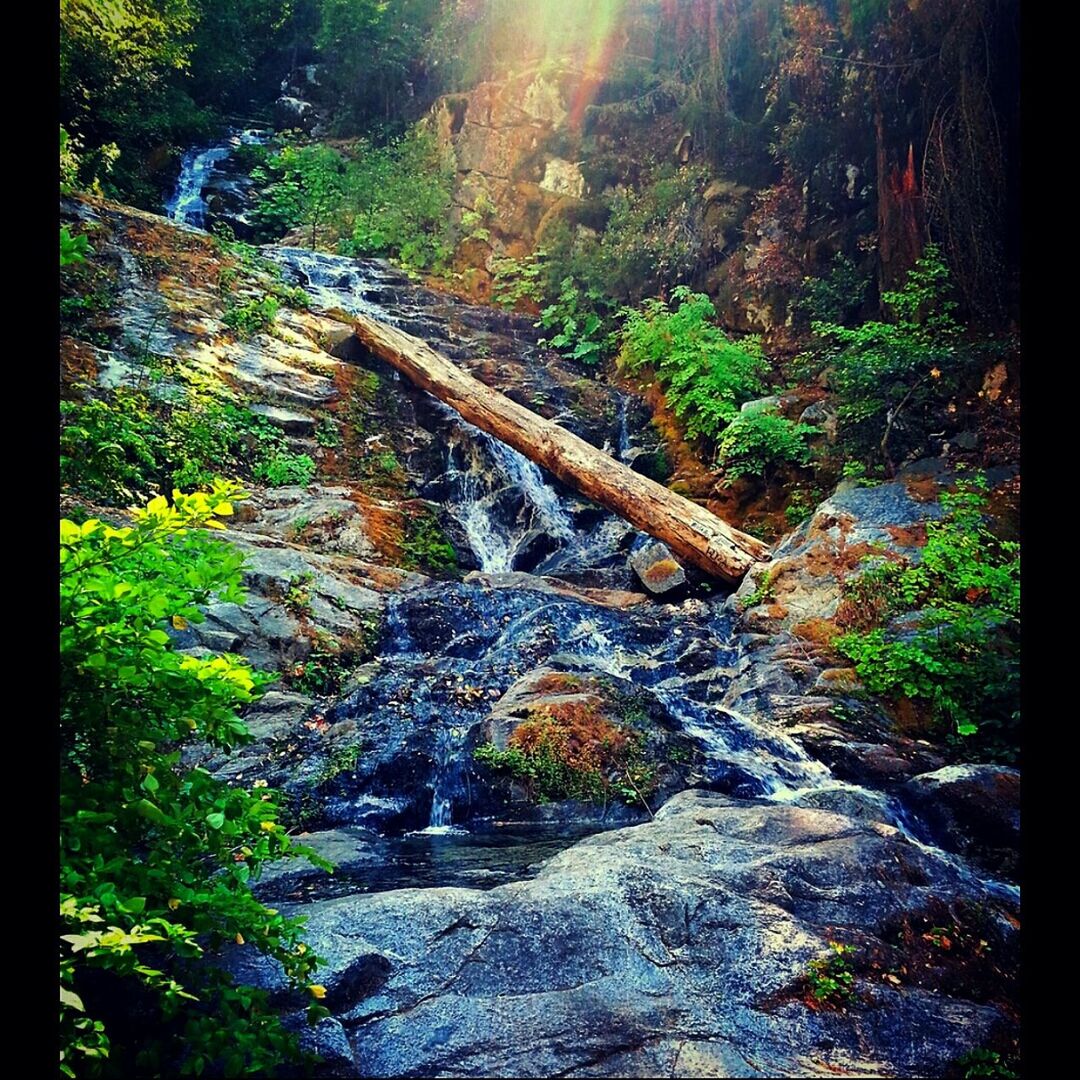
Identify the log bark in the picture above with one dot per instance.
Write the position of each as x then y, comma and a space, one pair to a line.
690, 530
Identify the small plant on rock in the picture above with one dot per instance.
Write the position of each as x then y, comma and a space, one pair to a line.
250, 318
830, 978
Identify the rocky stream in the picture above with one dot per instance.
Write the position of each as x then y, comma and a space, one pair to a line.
469, 931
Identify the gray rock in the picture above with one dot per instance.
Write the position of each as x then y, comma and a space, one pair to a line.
675, 947
290, 421
291, 112
821, 414
770, 403
973, 810
657, 569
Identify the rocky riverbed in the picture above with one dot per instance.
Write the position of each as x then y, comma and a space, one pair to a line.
471, 931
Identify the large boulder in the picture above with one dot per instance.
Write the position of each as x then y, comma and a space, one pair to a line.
973, 810
675, 948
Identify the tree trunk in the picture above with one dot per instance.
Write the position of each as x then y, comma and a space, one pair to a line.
688, 529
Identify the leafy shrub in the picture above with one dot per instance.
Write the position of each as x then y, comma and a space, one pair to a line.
280, 468
426, 547
962, 661
307, 187
830, 978
579, 317
250, 318
648, 244
984, 1064
758, 441
517, 281
890, 376
156, 858
110, 452
836, 297
116, 449
397, 201
651, 241
706, 377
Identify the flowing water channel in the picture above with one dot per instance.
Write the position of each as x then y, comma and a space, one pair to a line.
450, 649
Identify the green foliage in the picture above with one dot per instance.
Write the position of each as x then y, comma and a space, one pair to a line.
762, 593
326, 434
543, 772
321, 673
281, 468
516, 281
705, 376
883, 371
962, 660
370, 52
425, 546
252, 317
391, 201
830, 978
342, 760
800, 506
398, 201
983, 1064
307, 188
651, 241
69, 163
73, 249
109, 451
858, 472
298, 595
758, 441
576, 315
837, 297
117, 449
156, 859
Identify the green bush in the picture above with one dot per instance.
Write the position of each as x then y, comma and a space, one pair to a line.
836, 297
705, 376
73, 249
117, 449
156, 858
398, 199
651, 241
758, 441
425, 546
280, 468
110, 452
305, 186
962, 660
250, 318
893, 376
831, 980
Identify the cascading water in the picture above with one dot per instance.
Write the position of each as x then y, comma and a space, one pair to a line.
482, 471
187, 205
441, 645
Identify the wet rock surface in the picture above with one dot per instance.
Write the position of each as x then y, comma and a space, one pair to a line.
973, 810
676, 947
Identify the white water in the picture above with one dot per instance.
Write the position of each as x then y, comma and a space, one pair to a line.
187, 206
481, 469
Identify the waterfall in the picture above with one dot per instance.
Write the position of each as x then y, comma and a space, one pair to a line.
187, 206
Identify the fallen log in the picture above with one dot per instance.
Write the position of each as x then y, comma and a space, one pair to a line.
688, 529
